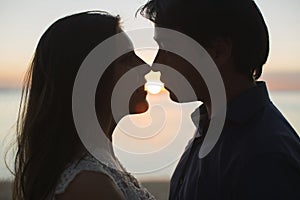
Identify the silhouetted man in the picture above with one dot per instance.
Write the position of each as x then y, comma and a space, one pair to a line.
258, 153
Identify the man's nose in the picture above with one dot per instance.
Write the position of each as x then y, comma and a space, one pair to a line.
160, 57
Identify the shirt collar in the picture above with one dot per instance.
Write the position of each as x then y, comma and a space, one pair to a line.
240, 110
245, 106
200, 119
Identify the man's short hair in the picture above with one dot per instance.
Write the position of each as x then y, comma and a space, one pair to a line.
205, 20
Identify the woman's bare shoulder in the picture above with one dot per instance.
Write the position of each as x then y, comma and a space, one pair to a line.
91, 185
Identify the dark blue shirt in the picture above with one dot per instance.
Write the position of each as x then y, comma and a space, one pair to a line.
256, 157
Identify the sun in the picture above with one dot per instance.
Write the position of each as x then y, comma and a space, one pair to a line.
153, 84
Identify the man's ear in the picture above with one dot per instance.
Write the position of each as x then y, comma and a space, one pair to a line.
220, 50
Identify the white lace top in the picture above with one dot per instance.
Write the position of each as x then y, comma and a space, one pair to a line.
129, 186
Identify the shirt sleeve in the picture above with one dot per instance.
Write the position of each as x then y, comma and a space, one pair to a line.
269, 176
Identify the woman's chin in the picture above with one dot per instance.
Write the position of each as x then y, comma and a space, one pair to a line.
139, 107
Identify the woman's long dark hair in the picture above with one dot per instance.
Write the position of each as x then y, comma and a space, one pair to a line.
46, 134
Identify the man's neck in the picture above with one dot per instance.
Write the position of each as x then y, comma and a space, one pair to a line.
237, 89
234, 88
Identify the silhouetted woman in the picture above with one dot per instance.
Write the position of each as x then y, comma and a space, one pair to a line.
51, 162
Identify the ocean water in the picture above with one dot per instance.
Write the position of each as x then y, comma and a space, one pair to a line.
288, 103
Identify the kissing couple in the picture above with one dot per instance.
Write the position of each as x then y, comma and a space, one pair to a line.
257, 153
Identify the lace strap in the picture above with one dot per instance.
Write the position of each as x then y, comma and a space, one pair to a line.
86, 164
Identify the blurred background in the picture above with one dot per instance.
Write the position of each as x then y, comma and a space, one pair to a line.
23, 22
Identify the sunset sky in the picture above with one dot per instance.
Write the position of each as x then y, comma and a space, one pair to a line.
23, 22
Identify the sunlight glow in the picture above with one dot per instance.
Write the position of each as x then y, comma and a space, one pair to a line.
153, 87
153, 84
